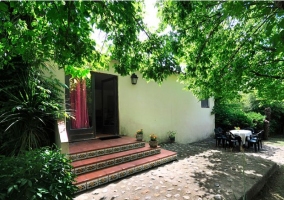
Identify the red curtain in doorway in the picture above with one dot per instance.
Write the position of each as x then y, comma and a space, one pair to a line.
78, 100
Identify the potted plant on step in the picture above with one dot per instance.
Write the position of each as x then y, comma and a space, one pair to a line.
139, 135
153, 141
172, 136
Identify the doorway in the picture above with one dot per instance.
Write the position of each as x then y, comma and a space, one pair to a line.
106, 104
94, 107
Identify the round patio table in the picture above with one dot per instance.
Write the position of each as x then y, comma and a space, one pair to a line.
242, 133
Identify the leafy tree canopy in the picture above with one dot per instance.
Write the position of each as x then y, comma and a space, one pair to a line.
33, 32
228, 46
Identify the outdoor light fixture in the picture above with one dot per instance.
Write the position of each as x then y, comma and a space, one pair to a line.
134, 79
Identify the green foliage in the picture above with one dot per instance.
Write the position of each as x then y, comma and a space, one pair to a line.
249, 111
229, 115
250, 102
172, 134
227, 46
66, 32
63, 31
256, 120
38, 174
254, 102
276, 124
29, 103
45, 30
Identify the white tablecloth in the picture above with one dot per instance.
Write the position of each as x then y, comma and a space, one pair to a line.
242, 133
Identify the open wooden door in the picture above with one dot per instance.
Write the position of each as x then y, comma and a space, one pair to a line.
106, 104
110, 106
80, 103
100, 108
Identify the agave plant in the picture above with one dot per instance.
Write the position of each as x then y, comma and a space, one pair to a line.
25, 112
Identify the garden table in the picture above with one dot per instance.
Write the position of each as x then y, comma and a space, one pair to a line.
242, 133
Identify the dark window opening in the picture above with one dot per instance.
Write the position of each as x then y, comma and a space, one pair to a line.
205, 103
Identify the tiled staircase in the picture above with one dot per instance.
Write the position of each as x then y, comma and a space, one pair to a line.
97, 162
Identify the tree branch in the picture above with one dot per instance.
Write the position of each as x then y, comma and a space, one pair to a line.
243, 43
267, 76
209, 37
206, 19
142, 28
239, 48
271, 61
268, 48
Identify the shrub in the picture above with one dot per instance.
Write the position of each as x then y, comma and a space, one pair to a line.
256, 119
229, 115
36, 174
227, 111
251, 102
29, 102
276, 124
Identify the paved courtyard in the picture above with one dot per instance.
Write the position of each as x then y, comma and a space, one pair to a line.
202, 171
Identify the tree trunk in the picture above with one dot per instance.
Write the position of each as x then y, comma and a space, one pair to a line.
266, 121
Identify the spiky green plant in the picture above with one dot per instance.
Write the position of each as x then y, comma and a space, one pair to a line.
26, 110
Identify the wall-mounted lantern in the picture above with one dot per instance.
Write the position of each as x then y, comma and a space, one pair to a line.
134, 79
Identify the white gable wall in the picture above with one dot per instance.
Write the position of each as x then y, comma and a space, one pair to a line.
158, 109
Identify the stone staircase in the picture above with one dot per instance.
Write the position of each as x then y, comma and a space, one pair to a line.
97, 162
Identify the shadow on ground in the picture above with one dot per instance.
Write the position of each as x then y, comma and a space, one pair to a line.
203, 171
236, 173
273, 189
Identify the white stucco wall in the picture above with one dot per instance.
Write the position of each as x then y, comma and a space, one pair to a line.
61, 137
161, 108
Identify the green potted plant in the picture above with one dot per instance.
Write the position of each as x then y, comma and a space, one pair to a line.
172, 136
139, 135
153, 141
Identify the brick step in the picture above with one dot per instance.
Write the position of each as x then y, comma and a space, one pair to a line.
93, 148
96, 163
96, 178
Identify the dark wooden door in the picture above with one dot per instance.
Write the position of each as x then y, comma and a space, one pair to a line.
110, 106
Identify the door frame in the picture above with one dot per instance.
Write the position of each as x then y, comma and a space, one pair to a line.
92, 129
71, 131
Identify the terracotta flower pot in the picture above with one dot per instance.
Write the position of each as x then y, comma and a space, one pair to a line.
139, 137
153, 144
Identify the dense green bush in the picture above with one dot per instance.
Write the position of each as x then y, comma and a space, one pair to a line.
252, 103
36, 174
230, 115
276, 124
29, 103
249, 111
256, 120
